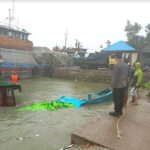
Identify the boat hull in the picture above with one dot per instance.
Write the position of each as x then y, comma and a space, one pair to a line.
99, 97
23, 70
22, 62
102, 96
15, 43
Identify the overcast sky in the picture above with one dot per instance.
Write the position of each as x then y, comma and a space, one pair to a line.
91, 22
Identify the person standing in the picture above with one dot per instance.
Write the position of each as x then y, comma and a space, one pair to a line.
136, 83
119, 84
14, 78
128, 83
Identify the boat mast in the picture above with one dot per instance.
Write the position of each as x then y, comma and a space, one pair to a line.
66, 41
13, 9
9, 18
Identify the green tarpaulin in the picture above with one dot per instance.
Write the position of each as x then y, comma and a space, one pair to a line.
54, 105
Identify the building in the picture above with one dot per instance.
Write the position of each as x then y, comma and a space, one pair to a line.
145, 56
129, 53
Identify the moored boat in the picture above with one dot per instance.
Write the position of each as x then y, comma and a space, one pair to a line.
101, 96
16, 53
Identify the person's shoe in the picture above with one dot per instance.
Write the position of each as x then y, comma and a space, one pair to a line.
133, 99
115, 114
120, 113
125, 105
135, 103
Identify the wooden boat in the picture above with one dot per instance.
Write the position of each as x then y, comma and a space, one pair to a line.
101, 96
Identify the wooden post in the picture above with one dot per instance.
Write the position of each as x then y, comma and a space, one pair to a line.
10, 98
1, 96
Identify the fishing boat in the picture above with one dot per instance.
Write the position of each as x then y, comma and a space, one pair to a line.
101, 96
93, 61
16, 52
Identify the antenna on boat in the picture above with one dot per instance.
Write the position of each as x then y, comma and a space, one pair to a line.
11, 16
13, 9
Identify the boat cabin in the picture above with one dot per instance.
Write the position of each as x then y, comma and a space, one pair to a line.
10, 32
14, 38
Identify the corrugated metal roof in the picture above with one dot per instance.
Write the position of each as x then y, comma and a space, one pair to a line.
119, 46
16, 29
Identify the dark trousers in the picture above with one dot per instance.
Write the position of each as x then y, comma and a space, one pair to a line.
118, 98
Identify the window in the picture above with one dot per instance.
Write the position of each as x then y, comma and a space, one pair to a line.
5, 33
21, 36
13, 35
26, 37
10, 33
1, 32
17, 35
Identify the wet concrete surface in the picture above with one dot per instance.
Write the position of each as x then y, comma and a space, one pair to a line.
130, 132
46, 130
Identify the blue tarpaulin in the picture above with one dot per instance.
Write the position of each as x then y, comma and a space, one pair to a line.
72, 100
119, 46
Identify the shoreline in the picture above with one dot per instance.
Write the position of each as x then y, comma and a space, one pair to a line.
99, 75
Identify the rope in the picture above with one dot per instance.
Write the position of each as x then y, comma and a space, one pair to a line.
117, 126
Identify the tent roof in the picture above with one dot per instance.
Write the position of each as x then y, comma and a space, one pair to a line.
119, 46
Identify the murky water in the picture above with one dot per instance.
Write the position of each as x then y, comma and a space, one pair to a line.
45, 130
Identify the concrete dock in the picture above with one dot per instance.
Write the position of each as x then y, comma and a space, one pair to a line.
133, 127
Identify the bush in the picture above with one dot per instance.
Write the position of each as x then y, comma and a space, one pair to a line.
148, 95
147, 85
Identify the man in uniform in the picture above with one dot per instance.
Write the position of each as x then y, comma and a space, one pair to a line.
119, 84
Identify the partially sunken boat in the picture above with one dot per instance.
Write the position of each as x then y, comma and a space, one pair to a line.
16, 54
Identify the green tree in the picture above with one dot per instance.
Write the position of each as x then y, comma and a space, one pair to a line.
147, 30
132, 31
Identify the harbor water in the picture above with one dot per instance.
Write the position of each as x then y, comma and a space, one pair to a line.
46, 130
